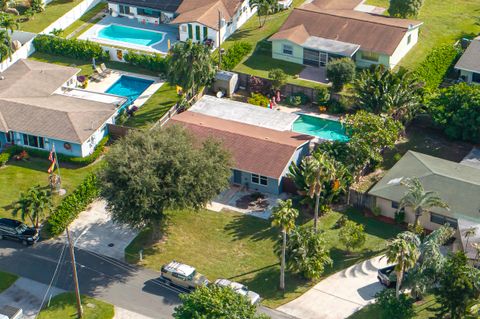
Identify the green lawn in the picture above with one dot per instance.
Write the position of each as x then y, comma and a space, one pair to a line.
86, 66
84, 20
155, 107
6, 280
444, 22
18, 176
239, 247
53, 11
64, 306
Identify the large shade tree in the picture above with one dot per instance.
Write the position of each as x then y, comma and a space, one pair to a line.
284, 216
33, 204
418, 199
151, 171
404, 8
190, 66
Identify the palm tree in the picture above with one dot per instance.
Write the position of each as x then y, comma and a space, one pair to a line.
264, 8
317, 170
283, 216
418, 199
404, 254
8, 22
5, 45
472, 231
33, 204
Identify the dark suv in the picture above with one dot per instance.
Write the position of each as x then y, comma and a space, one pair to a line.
13, 229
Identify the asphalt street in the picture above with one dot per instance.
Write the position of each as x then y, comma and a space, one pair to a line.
130, 287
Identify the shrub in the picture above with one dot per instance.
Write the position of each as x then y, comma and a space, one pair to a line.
235, 54
404, 8
278, 78
37, 6
259, 99
258, 85
72, 48
154, 62
399, 217
72, 205
340, 72
298, 98
352, 235
377, 211
436, 65
341, 221
4, 157
322, 95
392, 308
336, 107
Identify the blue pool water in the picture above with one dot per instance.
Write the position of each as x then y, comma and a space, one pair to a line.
130, 87
130, 35
321, 128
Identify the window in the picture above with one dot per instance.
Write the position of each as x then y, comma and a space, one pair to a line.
148, 13
190, 31
287, 49
395, 205
125, 9
370, 56
259, 179
442, 220
476, 77
184, 28
197, 33
409, 39
9, 137
33, 141
205, 33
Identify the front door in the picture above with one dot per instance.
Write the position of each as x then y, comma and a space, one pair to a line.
237, 177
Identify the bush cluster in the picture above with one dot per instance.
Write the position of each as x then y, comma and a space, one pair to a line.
4, 157
71, 48
259, 99
435, 67
392, 308
72, 205
297, 99
235, 54
154, 62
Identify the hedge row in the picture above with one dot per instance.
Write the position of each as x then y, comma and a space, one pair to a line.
235, 54
154, 62
435, 67
72, 205
64, 158
71, 48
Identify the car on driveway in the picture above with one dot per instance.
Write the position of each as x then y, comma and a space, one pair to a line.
240, 289
16, 230
182, 276
387, 276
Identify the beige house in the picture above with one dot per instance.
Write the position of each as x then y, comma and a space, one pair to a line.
322, 30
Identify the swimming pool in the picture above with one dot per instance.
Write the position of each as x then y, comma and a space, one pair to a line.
129, 87
114, 32
319, 127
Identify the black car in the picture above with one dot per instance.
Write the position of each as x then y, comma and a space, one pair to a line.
13, 229
387, 276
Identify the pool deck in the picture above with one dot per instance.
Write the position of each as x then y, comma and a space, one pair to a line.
171, 33
110, 79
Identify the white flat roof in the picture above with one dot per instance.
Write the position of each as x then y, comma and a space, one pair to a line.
244, 113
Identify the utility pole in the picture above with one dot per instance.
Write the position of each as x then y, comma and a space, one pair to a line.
219, 39
75, 277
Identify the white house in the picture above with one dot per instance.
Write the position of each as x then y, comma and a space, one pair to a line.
469, 63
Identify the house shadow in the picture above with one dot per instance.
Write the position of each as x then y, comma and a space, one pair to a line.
256, 229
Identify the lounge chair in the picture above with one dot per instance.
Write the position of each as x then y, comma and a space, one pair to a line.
95, 77
99, 72
104, 68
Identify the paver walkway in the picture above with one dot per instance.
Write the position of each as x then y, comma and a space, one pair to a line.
340, 295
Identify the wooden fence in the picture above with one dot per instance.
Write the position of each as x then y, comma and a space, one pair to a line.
360, 200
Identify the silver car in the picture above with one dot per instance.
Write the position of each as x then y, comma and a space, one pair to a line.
240, 289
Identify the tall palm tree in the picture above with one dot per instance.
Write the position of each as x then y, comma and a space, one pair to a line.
264, 8
317, 170
283, 216
418, 199
34, 204
8, 22
404, 254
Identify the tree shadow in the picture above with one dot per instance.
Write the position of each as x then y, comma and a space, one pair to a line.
244, 226
373, 226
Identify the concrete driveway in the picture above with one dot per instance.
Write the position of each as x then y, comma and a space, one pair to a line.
340, 295
94, 230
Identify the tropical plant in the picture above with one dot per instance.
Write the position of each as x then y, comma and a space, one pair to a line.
264, 8
259, 99
404, 8
171, 170
404, 253
470, 232
418, 199
307, 253
340, 72
322, 95
278, 78
391, 307
352, 235
283, 216
7, 22
215, 302
5, 45
190, 66
33, 204
37, 5
379, 90
154, 62
235, 54
72, 48
56, 32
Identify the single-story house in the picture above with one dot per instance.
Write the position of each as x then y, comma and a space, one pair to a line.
261, 156
457, 184
469, 63
198, 20
322, 30
35, 114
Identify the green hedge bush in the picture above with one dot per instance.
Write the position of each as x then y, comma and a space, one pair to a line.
154, 62
64, 158
72, 205
259, 99
435, 67
235, 54
297, 99
72, 48
4, 157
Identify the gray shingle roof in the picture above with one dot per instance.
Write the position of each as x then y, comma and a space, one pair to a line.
470, 59
457, 184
